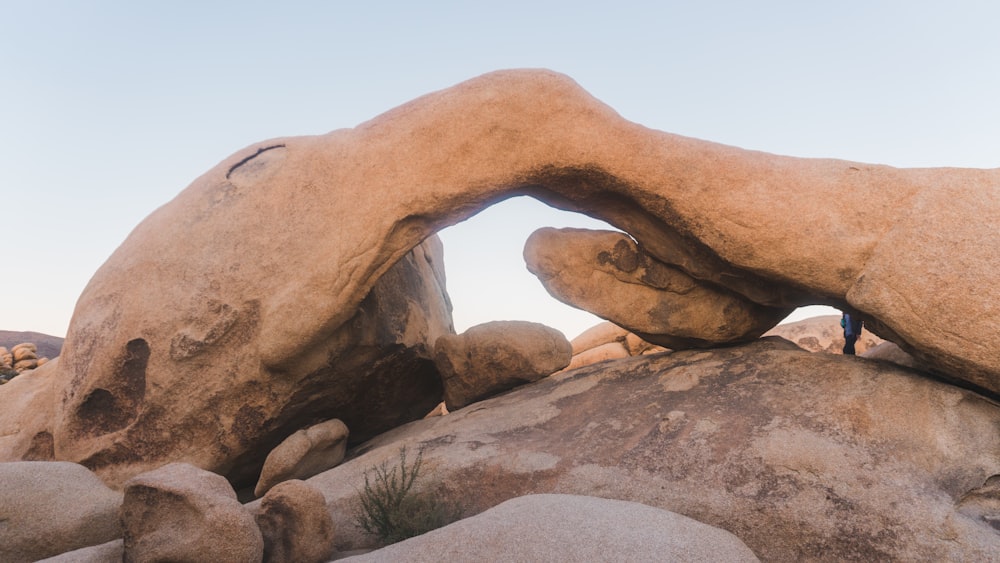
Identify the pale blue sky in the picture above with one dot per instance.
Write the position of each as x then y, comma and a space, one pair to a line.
109, 108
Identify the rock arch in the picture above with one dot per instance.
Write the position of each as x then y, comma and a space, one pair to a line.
262, 264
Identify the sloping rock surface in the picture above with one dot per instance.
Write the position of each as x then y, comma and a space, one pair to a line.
804, 457
569, 528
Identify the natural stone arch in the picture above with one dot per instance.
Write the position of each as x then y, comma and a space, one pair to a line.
249, 276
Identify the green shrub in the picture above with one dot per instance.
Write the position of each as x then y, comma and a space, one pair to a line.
391, 509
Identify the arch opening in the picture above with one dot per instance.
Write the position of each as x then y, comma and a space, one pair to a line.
487, 279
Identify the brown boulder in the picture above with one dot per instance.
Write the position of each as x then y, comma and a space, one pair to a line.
181, 513
295, 524
304, 454
804, 457
25, 351
493, 357
606, 273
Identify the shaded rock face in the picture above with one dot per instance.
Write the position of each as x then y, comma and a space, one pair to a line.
245, 308
604, 272
194, 389
496, 356
804, 457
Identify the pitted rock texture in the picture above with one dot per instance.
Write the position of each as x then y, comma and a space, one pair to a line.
254, 279
803, 456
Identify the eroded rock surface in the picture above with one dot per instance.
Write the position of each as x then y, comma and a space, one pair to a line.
804, 457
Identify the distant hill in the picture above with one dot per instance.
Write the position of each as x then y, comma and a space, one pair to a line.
48, 346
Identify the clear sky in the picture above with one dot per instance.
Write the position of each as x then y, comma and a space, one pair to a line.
109, 108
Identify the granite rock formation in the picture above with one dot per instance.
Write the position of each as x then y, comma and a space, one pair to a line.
272, 293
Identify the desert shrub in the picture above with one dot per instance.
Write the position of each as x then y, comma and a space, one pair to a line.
392, 509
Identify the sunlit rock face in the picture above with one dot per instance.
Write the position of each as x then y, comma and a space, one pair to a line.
246, 307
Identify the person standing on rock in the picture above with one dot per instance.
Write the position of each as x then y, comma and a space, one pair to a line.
852, 331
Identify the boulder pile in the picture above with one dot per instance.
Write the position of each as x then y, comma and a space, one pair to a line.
18, 359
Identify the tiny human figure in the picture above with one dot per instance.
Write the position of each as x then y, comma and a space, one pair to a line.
852, 331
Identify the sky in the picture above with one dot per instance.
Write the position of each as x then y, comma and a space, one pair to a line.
108, 109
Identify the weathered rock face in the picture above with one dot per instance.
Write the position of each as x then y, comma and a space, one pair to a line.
822, 334
604, 272
496, 356
221, 325
193, 388
568, 528
805, 457
49, 508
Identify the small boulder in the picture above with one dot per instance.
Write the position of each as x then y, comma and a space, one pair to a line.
181, 513
47, 508
496, 356
303, 454
295, 524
